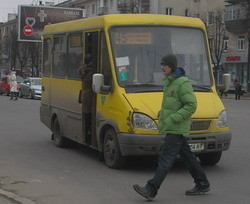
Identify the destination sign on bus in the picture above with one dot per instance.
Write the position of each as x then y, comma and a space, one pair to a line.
133, 38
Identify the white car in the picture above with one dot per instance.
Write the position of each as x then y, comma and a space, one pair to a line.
31, 87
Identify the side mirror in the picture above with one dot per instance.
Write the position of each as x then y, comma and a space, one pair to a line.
226, 83
98, 84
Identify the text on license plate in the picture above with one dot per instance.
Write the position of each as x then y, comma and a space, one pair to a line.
196, 147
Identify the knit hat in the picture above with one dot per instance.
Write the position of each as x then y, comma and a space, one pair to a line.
171, 61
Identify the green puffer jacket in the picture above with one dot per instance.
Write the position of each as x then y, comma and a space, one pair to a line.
178, 104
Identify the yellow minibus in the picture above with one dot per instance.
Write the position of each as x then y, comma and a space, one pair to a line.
125, 52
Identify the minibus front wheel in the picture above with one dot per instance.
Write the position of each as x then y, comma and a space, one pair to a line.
111, 150
210, 159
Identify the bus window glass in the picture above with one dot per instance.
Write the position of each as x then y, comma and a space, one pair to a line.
75, 53
59, 57
46, 57
138, 51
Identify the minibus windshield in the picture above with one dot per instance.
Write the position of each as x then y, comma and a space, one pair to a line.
138, 51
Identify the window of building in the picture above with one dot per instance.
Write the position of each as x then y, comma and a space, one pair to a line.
103, 3
186, 12
59, 57
241, 43
236, 13
88, 11
145, 6
169, 11
93, 8
210, 18
225, 45
111, 3
6, 31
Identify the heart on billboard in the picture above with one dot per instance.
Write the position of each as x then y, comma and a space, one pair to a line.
30, 21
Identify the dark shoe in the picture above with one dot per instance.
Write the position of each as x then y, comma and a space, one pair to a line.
144, 192
197, 190
15, 99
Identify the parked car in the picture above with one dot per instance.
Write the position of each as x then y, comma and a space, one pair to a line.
5, 85
31, 87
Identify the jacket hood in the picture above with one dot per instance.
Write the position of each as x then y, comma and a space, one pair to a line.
179, 72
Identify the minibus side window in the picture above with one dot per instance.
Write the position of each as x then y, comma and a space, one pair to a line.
47, 57
105, 63
91, 49
59, 57
75, 52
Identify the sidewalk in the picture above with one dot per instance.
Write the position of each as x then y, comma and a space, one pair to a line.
245, 96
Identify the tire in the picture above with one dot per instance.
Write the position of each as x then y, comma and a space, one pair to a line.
59, 140
111, 151
20, 94
210, 159
31, 95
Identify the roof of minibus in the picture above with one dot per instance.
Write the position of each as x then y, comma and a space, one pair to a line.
122, 19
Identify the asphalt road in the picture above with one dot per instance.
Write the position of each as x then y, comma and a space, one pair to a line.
36, 171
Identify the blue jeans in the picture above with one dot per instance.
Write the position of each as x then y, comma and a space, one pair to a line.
174, 145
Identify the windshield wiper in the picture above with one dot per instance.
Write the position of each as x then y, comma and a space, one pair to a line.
201, 88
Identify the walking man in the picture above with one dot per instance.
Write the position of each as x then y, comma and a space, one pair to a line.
178, 104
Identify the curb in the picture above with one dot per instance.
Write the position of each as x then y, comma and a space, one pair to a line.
15, 197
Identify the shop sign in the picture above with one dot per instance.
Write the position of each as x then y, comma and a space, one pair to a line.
233, 58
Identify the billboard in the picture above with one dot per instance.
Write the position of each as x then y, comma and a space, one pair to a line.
32, 19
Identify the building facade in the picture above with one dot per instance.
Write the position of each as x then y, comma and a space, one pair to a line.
232, 21
7, 54
230, 51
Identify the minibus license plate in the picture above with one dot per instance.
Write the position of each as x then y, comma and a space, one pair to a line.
196, 147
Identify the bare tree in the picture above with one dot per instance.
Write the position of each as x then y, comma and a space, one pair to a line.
12, 46
22, 54
35, 50
246, 5
216, 35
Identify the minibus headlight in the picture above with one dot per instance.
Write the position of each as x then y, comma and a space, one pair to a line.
143, 122
222, 119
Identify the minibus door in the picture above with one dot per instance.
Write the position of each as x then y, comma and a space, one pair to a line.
88, 96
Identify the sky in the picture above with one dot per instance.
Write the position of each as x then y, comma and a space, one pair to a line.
11, 6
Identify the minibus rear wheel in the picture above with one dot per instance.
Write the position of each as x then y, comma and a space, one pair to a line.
111, 150
210, 159
59, 140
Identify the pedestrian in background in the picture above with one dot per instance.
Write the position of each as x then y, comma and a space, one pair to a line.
238, 89
13, 84
178, 104
223, 92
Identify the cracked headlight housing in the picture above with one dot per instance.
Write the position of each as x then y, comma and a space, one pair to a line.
143, 121
222, 119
